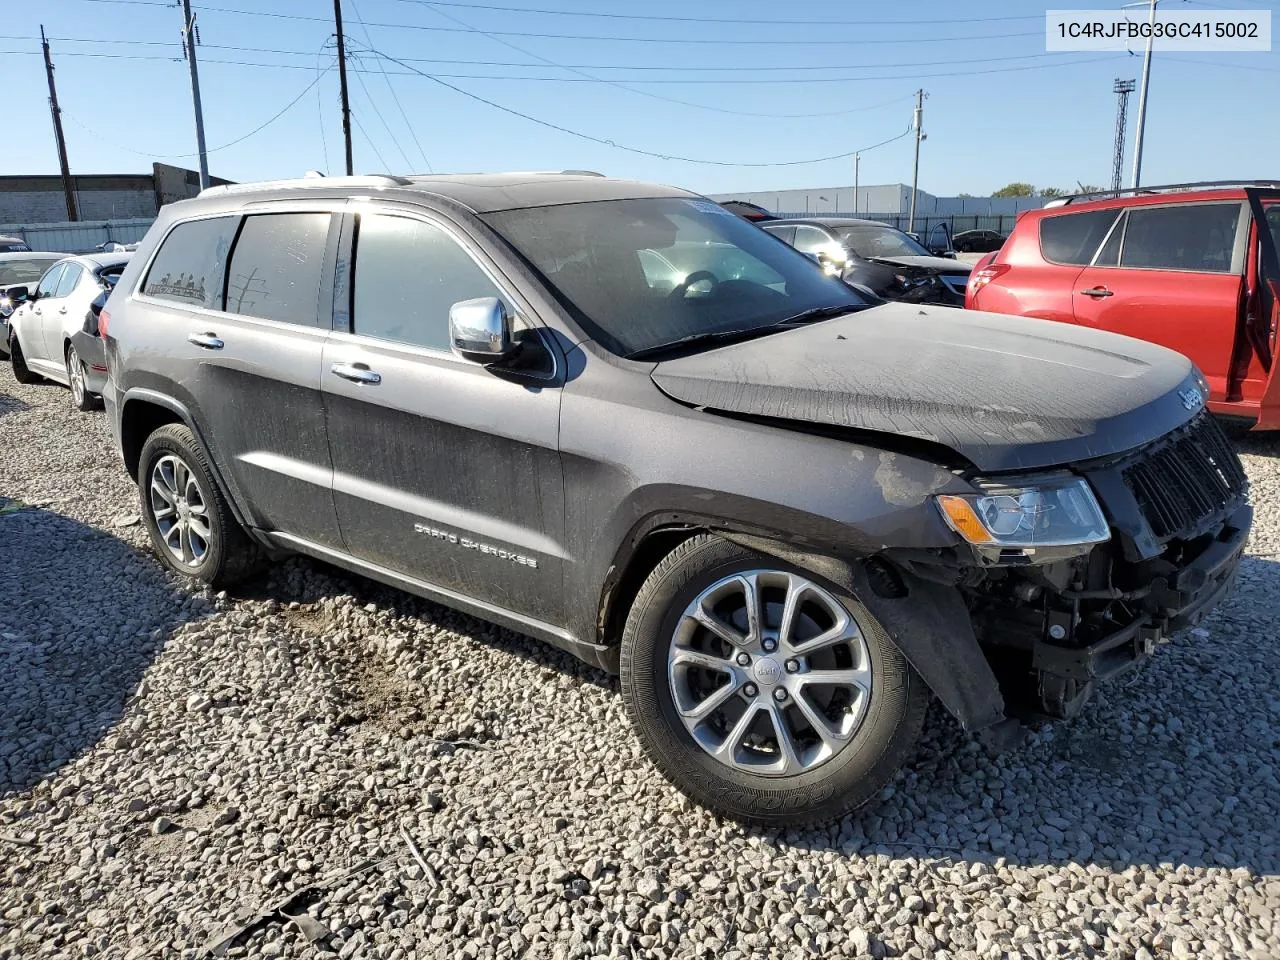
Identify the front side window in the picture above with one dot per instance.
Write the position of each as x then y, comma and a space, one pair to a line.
614, 263
871, 240
70, 277
408, 274
189, 265
276, 267
1073, 238
1198, 237
49, 282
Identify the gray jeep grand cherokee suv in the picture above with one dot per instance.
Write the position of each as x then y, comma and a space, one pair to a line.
616, 417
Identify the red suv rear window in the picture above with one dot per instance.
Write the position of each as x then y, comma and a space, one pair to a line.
1073, 238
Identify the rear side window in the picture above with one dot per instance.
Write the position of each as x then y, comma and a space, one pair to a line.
276, 267
1073, 238
189, 265
49, 282
811, 240
70, 277
1199, 237
407, 276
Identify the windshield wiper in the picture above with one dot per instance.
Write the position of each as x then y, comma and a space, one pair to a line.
820, 313
721, 336
697, 339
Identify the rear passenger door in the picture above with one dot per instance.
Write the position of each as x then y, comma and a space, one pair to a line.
31, 326
54, 313
242, 307
445, 471
1068, 244
1172, 274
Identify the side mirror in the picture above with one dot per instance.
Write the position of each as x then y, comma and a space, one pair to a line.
480, 330
19, 295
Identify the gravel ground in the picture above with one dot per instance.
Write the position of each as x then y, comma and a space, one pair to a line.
170, 759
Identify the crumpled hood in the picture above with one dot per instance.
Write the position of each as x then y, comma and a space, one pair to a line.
1007, 393
932, 264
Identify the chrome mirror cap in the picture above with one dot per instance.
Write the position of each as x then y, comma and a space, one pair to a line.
480, 330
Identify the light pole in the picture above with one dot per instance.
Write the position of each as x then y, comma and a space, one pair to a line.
1142, 98
857, 162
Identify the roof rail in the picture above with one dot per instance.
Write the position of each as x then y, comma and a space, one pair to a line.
582, 173
372, 180
1162, 188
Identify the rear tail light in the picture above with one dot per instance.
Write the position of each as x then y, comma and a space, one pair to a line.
104, 319
984, 275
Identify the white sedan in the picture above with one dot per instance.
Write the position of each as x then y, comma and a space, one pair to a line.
41, 328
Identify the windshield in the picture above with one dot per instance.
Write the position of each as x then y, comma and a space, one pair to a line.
870, 240
24, 270
643, 273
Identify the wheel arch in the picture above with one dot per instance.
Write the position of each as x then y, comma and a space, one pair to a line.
142, 413
927, 621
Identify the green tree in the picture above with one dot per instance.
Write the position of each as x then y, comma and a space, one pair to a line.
1052, 192
1091, 188
1016, 189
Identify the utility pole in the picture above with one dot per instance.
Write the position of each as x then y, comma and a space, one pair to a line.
1142, 102
68, 193
342, 81
1122, 88
189, 50
857, 162
920, 136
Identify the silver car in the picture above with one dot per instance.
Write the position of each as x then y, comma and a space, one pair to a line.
19, 272
45, 320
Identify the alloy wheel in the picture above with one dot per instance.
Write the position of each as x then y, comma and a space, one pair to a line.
75, 373
180, 510
769, 673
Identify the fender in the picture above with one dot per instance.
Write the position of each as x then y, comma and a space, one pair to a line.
930, 625
158, 399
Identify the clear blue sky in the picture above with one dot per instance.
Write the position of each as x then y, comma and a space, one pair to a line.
1005, 112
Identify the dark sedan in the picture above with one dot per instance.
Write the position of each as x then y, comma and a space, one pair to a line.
877, 256
977, 241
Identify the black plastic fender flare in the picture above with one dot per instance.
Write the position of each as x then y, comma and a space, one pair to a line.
930, 625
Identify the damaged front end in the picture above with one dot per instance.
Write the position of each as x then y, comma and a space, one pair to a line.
1054, 620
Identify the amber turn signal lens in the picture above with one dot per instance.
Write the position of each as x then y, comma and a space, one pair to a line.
963, 520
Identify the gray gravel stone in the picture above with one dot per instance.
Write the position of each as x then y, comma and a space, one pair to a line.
328, 712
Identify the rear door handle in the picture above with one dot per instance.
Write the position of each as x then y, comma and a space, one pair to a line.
356, 373
1097, 292
62, 309
207, 340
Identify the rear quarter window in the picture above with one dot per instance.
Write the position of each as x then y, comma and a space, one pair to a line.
189, 266
1073, 238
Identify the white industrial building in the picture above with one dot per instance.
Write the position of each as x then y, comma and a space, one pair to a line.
878, 200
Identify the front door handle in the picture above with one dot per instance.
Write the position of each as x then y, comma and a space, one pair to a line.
356, 373
1097, 292
209, 341
62, 309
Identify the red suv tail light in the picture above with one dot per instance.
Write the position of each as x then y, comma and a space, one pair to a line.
104, 319
984, 275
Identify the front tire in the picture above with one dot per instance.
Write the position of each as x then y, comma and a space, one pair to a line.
763, 692
21, 372
191, 526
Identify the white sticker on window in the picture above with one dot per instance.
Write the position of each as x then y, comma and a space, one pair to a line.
709, 206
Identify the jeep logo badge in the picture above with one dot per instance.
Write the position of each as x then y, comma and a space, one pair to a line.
1192, 398
768, 672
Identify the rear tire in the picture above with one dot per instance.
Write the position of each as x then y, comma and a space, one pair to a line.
83, 400
740, 767
21, 372
191, 525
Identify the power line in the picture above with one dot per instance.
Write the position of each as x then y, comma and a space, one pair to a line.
716, 20
381, 119
611, 39
392, 90
369, 140
646, 93
1071, 60
618, 146
182, 156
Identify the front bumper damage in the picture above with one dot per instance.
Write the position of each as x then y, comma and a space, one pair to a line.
1067, 672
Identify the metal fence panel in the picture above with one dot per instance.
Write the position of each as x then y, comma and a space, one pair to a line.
80, 236
955, 223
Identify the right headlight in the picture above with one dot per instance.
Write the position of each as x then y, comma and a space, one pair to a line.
1049, 513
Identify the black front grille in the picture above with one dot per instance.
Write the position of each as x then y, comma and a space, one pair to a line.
1182, 482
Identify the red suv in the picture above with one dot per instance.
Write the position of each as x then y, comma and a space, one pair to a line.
1184, 266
